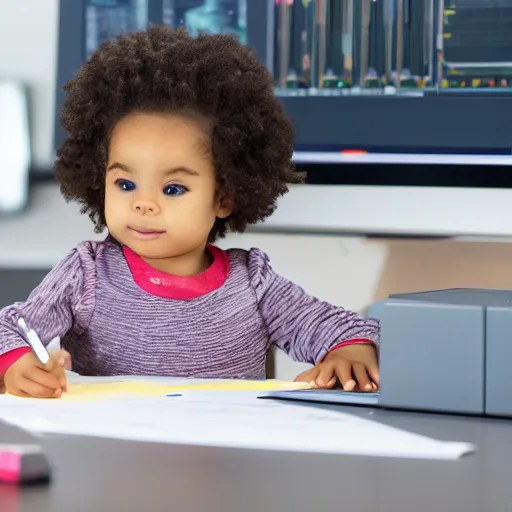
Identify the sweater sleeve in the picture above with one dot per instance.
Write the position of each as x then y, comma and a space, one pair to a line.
301, 325
63, 301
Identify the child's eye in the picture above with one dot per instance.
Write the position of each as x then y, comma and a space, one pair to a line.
126, 185
174, 190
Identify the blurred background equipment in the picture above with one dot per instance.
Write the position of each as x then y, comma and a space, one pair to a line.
15, 157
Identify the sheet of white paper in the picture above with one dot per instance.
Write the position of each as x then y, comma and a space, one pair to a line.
220, 418
75, 378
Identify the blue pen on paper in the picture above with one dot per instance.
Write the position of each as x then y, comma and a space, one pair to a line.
34, 341
174, 394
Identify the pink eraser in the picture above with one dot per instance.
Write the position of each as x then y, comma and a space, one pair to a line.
23, 464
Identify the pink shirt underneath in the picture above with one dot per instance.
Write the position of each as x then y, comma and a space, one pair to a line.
170, 286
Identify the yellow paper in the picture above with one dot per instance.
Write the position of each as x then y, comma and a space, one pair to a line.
98, 391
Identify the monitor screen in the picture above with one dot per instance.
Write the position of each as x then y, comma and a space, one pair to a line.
84, 24
396, 81
104, 19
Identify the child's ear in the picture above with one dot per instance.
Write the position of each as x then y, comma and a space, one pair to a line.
225, 207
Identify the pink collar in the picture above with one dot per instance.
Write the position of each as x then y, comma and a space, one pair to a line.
169, 286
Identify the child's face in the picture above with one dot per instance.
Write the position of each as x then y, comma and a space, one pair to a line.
160, 196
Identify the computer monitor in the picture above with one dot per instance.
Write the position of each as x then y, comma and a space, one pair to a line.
387, 96
396, 78
84, 24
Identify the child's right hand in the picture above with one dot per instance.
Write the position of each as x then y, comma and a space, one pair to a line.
28, 377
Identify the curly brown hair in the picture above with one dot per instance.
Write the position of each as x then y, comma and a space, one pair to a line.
166, 70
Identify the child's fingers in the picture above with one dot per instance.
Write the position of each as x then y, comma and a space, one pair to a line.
332, 382
326, 382
60, 373
362, 378
38, 390
326, 376
54, 345
44, 378
67, 362
307, 376
344, 372
63, 358
62, 362
49, 366
373, 371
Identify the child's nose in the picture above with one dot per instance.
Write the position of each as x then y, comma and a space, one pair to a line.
146, 207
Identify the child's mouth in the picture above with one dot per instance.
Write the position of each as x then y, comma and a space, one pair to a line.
146, 233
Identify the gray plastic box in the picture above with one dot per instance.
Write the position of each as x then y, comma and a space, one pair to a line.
446, 351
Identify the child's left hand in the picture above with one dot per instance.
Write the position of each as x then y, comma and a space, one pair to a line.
355, 366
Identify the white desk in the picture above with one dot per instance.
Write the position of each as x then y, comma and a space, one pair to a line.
104, 474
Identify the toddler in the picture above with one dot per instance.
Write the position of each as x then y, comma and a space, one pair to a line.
173, 141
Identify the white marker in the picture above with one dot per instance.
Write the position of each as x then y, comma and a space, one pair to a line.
34, 341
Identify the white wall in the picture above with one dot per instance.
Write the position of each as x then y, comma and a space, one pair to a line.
349, 271
28, 43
